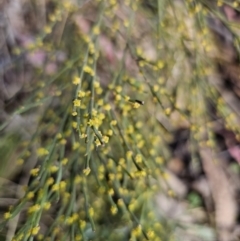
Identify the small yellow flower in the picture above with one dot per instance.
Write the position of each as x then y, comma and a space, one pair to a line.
152, 152
94, 112
55, 187
110, 132
77, 179
49, 181
136, 105
77, 103
100, 102
122, 161
66, 197
168, 111
160, 64
111, 192
139, 51
75, 146
92, 51
130, 129
118, 97
141, 63
75, 216
155, 88
170, 193
55, 231
101, 116
16, 51
161, 80
91, 212
137, 231
139, 124
88, 69
40, 237
20, 161
47, 205
126, 23
96, 84
74, 113
118, 89
42, 152
113, 122
120, 202
88, 93
64, 161
90, 60
110, 87
165, 175
35, 230
53, 169
138, 158
127, 98
86, 171
59, 136
63, 142
34, 171
62, 185
83, 135
7, 215
96, 30
30, 195
58, 93
34, 208
47, 29
27, 154
97, 142
74, 125
140, 144
82, 224
83, 106
81, 94
114, 210
159, 160
219, 3
91, 122
129, 154
78, 237
69, 220
107, 107
76, 80
235, 4
86, 38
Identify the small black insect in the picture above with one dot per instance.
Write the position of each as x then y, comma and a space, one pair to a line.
141, 102
137, 101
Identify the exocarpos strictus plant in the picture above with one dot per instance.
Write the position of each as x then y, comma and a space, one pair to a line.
92, 96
